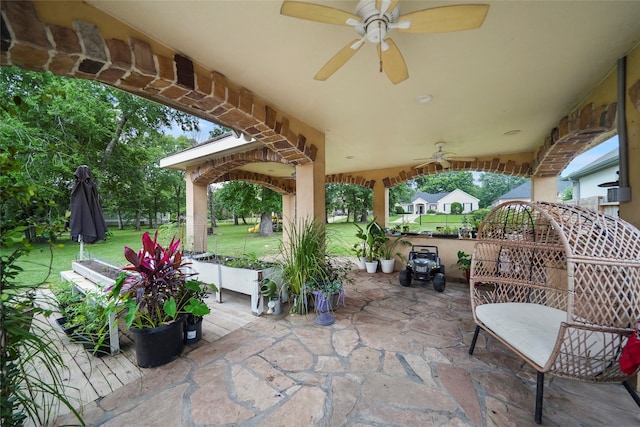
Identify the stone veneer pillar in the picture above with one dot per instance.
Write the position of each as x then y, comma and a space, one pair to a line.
544, 189
196, 221
381, 203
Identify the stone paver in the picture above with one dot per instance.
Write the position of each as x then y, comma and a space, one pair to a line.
395, 356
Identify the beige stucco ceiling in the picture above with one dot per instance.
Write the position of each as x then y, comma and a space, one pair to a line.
528, 66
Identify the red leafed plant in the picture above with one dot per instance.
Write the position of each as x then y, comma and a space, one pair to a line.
157, 293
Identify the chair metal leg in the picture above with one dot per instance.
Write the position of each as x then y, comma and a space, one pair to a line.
632, 392
473, 341
539, 391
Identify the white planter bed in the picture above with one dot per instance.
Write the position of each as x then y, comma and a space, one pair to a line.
242, 280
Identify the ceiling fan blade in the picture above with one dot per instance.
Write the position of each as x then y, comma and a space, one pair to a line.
393, 63
445, 163
462, 159
424, 164
316, 12
338, 60
445, 19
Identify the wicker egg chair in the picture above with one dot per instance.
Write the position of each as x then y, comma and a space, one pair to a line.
560, 286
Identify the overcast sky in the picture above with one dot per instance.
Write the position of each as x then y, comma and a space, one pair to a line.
591, 155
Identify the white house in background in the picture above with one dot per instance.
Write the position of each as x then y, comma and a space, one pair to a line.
595, 186
522, 193
421, 203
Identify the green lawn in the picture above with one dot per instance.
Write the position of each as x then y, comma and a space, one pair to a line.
228, 239
39, 266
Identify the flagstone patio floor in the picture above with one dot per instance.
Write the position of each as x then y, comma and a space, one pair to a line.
395, 357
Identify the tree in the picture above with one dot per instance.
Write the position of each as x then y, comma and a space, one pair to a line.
494, 185
53, 124
244, 198
399, 194
237, 197
270, 202
567, 193
446, 182
218, 130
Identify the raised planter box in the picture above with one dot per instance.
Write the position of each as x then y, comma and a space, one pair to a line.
208, 268
95, 275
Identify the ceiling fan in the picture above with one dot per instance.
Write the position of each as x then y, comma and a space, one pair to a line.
444, 157
374, 19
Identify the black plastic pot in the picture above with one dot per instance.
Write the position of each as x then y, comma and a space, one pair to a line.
157, 346
193, 332
62, 322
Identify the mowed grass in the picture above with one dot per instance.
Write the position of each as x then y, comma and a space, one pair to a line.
44, 263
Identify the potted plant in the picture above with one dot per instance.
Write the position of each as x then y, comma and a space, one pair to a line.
195, 309
66, 300
389, 252
359, 250
155, 299
373, 237
464, 264
328, 291
89, 320
303, 260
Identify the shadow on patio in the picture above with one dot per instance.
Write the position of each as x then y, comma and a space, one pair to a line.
394, 356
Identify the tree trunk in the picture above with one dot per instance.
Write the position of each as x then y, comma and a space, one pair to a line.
235, 219
266, 226
137, 220
114, 140
120, 223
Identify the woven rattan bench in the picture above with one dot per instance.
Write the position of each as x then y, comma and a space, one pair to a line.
560, 286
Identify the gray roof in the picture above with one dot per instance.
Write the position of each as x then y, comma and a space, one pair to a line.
602, 162
428, 197
523, 191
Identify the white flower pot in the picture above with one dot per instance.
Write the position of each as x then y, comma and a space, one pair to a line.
371, 266
387, 265
361, 265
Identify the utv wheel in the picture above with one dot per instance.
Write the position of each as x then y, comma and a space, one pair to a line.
405, 277
439, 282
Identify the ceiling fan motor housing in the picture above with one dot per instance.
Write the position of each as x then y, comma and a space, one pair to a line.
374, 26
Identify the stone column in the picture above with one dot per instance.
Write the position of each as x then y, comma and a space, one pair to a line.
544, 189
310, 189
196, 221
288, 214
381, 203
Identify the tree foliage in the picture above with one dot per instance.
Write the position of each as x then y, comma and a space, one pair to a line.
242, 199
353, 200
446, 182
494, 185
52, 124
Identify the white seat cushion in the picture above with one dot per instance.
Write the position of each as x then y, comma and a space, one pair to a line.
532, 329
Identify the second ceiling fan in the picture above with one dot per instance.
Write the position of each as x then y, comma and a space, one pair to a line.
374, 19
444, 157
